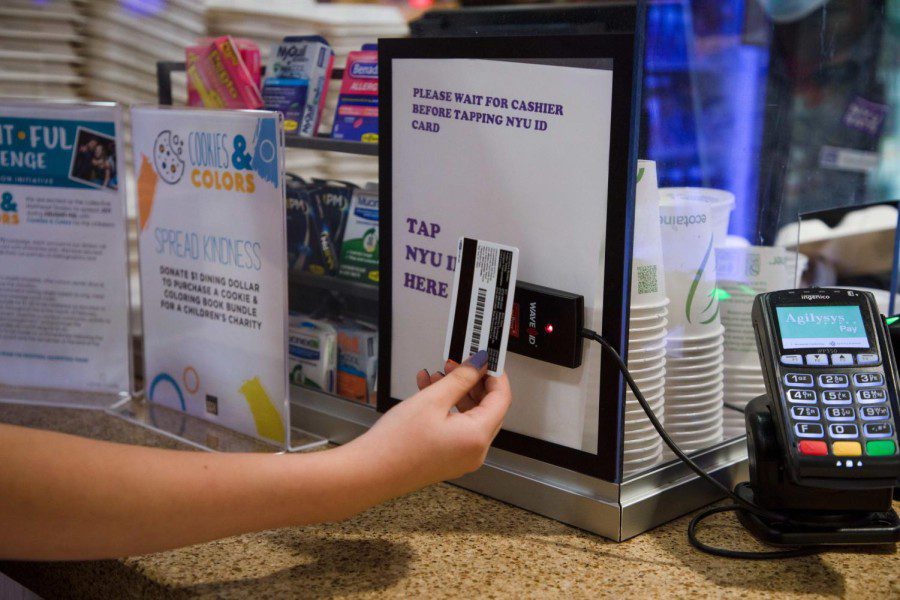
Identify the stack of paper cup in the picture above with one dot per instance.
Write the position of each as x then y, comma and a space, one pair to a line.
647, 326
742, 273
695, 344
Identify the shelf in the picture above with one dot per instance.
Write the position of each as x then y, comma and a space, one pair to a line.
328, 144
336, 285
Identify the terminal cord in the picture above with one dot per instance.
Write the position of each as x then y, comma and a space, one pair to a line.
739, 503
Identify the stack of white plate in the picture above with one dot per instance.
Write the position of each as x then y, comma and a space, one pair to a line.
39, 49
647, 363
125, 40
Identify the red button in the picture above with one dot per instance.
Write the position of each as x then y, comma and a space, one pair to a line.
812, 448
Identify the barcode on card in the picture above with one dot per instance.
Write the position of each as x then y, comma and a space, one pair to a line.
484, 282
479, 320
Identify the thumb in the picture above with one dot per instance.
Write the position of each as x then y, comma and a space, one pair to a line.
458, 383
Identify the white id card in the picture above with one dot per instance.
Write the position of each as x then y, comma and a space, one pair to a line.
484, 285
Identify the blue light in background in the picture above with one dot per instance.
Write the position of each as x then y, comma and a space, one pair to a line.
704, 93
144, 7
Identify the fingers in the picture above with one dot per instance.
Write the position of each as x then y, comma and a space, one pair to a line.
457, 384
490, 411
423, 379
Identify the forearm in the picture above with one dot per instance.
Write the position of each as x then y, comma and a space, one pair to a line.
67, 497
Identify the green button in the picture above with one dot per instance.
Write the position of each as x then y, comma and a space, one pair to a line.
881, 448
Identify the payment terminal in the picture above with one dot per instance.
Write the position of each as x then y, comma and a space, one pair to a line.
830, 376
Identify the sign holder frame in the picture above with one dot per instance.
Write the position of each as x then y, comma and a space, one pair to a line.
76, 398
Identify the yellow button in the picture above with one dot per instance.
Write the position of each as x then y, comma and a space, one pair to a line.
846, 449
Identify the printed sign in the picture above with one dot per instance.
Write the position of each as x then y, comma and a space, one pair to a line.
64, 320
517, 153
210, 193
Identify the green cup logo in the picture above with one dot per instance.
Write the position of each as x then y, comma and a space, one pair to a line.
709, 312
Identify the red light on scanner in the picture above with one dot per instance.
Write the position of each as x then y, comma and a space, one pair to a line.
548, 328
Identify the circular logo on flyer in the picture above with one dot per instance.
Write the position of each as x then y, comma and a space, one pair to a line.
167, 157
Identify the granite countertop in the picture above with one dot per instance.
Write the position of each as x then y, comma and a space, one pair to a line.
442, 541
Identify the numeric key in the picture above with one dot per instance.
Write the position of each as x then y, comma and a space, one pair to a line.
836, 397
834, 380
874, 413
798, 380
843, 431
802, 396
840, 413
868, 379
871, 396
805, 413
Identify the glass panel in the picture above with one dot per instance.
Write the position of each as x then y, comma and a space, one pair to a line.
755, 112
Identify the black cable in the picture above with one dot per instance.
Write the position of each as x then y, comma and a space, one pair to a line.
745, 554
740, 503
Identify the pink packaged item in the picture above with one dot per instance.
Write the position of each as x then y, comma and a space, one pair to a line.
219, 77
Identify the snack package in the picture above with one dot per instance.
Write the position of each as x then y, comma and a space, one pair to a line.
218, 76
356, 117
312, 353
359, 249
357, 363
298, 82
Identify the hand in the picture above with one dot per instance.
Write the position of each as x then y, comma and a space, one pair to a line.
422, 441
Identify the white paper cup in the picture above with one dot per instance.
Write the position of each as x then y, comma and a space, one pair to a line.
638, 317
642, 455
691, 434
642, 439
647, 338
700, 416
676, 408
650, 361
633, 466
706, 379
648, 389
648, 285
631, 402
686, 376
742, 273
635, 459
648, 346
690, 262
715, 347
689, 396
646, 328
721, 203
640, 309
695, 359
698, 339
736, 388
649, 375
645, 355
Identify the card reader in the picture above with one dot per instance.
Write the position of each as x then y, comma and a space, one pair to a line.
546, 325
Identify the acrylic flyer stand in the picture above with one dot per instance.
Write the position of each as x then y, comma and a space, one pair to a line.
64, 297
211, 240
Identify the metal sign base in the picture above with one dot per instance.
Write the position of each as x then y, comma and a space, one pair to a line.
202, 434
